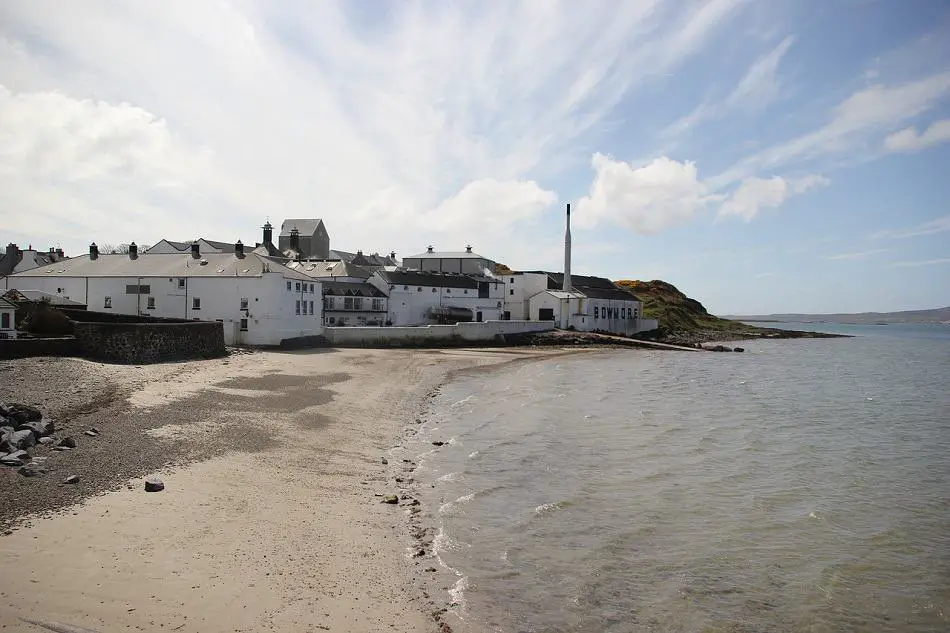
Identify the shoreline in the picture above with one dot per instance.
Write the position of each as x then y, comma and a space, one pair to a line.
271, 518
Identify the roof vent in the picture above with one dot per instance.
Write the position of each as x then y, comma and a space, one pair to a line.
429, 249
468, 249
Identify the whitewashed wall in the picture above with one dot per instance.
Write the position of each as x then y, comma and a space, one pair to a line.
518, 292
474, 332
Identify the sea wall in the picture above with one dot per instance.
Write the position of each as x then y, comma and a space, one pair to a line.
488, 332
139, 343
29, 347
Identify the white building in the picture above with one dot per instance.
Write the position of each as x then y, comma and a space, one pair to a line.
354, 304
259, 301
7, 319
13, 260
419, 298
462, 262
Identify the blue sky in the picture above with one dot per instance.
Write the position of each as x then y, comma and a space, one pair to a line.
763, 156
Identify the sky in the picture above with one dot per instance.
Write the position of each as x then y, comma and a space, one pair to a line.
763, 156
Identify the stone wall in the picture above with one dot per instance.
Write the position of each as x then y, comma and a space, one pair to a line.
460, 334
29, 347
139, 343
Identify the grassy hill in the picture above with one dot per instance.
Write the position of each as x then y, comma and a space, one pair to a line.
676, 311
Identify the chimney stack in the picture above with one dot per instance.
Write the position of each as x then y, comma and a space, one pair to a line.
239, 249
195, 250
60, 253
567, 252
268, 233
429, 249
295, 240
133, 251
392, 255
468, 249
93, 251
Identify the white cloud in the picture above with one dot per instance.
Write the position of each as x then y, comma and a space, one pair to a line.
928, 262
648, 199
387, 124
755, 194
862, 116
858, 255
938, 225
907, 140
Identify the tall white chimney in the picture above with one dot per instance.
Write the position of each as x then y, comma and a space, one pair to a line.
567, 252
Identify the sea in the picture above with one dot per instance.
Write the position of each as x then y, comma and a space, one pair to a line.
803, 485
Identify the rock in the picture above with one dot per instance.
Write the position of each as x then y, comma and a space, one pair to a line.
20, 440
391, 499
72, 479
31, 469
154, 484
61, 448
438, 443
739, 349
40, 428
20, 413
16, 458
95, 430
431, 569
91, 433
46, 440
67, 442
385, 461
419, 553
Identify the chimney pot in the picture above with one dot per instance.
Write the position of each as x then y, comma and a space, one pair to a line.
133, 251
468, 249
392, 255
60, 253
93, 251
268, 233
429, 249
195, 250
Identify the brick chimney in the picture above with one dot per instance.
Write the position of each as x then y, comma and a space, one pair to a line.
133, 251
295, 239
239, 248
60, 253
195, 250
93, 251
268, 233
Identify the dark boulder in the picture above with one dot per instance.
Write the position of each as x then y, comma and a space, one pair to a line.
739, 349
72, 479
154, 484
20, 439
5, 433
20, 413
438, 443
16, 458
68, 442
46, 440
40, 427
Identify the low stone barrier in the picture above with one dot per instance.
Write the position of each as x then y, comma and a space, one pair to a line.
458, 335
139, 343
29, 347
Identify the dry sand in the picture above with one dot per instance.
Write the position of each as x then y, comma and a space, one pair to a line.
281, 532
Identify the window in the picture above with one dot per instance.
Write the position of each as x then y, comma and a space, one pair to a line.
181, 282
357, 303
361, 320
311, 287
512, 291
298, 306
466, 291
244, 303
328, 303
196, 303
305, 304
5, 321
419, 289
297, 287
512, 280
107, 302
332, 320
377, 304
347, 303
596, 312
448, 290
407, 288
433, 290
311, 307
244, 325
288, 285
150, 303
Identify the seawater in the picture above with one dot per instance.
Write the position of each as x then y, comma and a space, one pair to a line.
801, 486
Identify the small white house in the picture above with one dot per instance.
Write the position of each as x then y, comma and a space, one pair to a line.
420, 298
353, 304
7, 319
258, 300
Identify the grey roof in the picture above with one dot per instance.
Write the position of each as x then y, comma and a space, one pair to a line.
345, 288
165, 265
424, 278
9, 262
330, 269
6, 305
182, 246
560, 294
306, 226
375, 260
226, 247
591, 287
38, 295
447, 255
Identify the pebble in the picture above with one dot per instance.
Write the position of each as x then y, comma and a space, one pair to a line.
92, 433
72, 479
390, 499
154, 484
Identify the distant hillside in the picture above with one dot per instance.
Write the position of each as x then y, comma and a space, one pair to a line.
674, 310
938, 315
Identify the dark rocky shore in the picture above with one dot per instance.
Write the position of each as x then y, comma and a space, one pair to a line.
690, 337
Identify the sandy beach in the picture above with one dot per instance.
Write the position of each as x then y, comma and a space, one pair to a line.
271, 518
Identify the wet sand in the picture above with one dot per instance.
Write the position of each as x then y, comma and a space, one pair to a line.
271, 518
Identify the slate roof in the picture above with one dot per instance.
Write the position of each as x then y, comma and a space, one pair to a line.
306, 226
344, 288
448, 255
328, 269
591, 287
165, 265
6, 305
9, 263
38, 295
374, 260
423, 278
